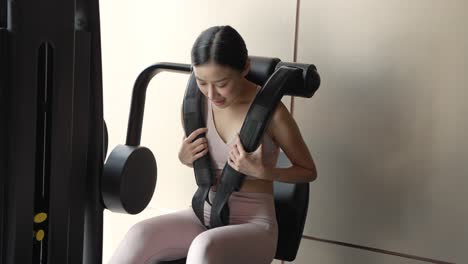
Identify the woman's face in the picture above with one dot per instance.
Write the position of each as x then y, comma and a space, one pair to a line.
220, 84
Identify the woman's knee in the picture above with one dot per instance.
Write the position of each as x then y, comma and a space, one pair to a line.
140, 231
203, 249
150, 229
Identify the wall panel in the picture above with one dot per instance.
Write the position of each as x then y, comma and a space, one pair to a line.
387, 126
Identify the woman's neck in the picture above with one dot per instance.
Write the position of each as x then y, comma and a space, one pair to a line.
247, 92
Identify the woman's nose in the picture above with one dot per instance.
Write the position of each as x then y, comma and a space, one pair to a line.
211, 91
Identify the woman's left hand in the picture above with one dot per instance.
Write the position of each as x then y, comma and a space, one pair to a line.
250, 164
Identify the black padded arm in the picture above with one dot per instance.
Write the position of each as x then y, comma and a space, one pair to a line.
261, 69
310, 77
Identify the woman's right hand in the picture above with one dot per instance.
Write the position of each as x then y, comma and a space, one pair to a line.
192, 150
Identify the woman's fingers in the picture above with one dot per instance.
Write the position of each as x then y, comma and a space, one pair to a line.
195, 134
232, 163
234, 157
198, 142
235, 151
200, 154
238, 145
199, 148
231, 157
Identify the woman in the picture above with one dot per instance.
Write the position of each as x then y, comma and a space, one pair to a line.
220, 64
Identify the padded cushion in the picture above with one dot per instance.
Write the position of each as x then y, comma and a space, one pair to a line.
261, 69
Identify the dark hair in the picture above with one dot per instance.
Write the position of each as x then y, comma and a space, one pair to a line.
221, 44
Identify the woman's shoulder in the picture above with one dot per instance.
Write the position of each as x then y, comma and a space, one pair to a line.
280, 116
281, 112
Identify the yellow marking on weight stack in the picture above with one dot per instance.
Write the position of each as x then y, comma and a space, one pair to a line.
40, 217
40, 235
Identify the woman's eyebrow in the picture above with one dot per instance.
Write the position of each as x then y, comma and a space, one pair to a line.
220, 80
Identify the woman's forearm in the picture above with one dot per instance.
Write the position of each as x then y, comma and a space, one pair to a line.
292, 174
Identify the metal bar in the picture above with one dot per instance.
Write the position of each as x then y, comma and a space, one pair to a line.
88, 20
3, 13
135, 122
80, 147
3, 134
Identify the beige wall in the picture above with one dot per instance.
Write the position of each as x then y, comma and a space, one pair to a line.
386, 128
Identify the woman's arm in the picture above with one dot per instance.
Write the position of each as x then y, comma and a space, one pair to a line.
286, 134
191, 148
183, 138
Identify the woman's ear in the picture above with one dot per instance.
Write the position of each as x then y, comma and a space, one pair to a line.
246, 68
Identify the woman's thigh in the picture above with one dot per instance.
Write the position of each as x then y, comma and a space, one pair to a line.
251, 236
164, 237
241, 243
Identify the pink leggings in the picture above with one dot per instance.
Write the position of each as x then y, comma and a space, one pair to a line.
251, 236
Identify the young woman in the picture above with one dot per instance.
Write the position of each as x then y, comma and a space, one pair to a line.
220, 64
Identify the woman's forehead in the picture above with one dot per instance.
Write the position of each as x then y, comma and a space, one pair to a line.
212, 72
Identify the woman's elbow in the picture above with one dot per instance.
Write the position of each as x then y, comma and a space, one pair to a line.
313, 174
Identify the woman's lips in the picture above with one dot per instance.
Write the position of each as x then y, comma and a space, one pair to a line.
219, 102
